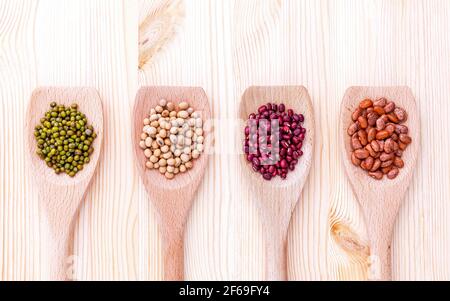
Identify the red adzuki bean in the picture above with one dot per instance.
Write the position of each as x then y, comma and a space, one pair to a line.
283, 127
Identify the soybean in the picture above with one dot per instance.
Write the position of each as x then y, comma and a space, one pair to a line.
172, 137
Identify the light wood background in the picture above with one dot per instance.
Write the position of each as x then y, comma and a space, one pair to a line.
224, 47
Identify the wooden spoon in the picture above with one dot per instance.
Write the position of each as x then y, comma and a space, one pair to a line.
277, 198
172, 198
60, 196
380, 200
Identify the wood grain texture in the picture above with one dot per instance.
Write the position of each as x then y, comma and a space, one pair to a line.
225, 47
380, 200
19, 218
60, 196
68, 43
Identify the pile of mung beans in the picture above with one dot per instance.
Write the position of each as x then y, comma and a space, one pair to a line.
172, 137
64, 139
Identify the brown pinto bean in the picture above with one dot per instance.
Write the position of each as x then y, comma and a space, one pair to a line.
361, 154
355, 142
372, 153
405, 139
366, 103
398, 162
390, 128
386, 157
393, 173
381, 124
402, 146
389, 146
393, 118
371, 134
372, 119
353, 128
367, 164
401, 114
381, 102
379, 110
396, 147
386, 163
389, 107
376, 165
355, 161
358, 112
375, 146
363, 122
381, 135
385, 170
394, 137
363, 137
377, 175
401, 129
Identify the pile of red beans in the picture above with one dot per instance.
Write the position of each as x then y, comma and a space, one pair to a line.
273, 140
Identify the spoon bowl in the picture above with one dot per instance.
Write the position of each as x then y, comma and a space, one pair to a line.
172, 199
380, 200
60, 195
277, 198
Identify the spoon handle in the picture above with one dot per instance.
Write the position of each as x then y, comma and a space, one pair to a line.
380, 261
276, 217
173, 250
60, 205
276, 252
60, 255
380, 235
172, 232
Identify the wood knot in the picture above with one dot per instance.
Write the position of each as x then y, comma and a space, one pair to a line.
158, 28
348, 240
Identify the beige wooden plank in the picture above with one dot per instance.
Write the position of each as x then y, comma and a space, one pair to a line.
19, 231
225, 46
69, 43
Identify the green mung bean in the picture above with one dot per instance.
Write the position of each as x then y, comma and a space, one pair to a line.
64, 139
